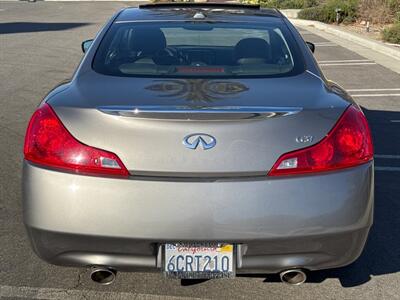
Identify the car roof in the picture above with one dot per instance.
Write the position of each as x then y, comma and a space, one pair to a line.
186, 12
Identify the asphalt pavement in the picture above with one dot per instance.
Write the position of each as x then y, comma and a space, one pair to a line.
40, 46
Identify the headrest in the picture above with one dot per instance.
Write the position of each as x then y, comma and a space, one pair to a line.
252, 48
148, 40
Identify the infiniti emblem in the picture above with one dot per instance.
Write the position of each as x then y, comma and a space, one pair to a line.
192, 141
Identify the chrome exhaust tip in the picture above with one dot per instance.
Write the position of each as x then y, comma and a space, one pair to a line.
103, 276
293, 276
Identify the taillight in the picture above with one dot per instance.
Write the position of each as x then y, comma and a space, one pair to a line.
48, 143
348, 144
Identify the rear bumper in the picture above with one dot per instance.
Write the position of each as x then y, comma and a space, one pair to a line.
313, 222
261, 256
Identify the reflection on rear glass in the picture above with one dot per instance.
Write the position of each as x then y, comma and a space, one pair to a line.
207, 49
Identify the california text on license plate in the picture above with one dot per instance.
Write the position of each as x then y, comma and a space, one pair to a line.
199, 260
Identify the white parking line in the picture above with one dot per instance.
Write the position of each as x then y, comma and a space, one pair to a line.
348, 64
61, 294
327, 45
376, 95
372, 90
395, 121
390, 169
375, 90
344, 61
389, 156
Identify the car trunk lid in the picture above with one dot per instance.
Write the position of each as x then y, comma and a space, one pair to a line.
149, 123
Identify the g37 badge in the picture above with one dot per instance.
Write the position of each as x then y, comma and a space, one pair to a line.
304, 139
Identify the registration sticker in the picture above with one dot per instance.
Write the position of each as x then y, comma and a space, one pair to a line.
199, 260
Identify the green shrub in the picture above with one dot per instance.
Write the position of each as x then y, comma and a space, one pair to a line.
397, 17
310, 3
283, 4
314, 13
349, 20
291, 4
326, 12
394, 5
392, 34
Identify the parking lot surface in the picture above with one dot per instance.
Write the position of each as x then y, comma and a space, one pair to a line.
40, 46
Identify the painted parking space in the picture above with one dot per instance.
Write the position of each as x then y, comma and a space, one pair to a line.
376, 89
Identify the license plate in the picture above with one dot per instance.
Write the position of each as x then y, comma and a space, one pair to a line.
199, 261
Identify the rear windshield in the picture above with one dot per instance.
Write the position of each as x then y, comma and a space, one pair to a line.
205, 49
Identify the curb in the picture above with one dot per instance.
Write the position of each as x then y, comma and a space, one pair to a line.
373, 45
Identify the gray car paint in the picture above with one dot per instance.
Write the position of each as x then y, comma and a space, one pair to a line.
312, 221
154, 145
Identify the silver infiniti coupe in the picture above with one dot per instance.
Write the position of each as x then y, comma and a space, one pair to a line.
198, 141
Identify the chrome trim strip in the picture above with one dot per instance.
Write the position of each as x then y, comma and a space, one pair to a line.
197, 176
199, 113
